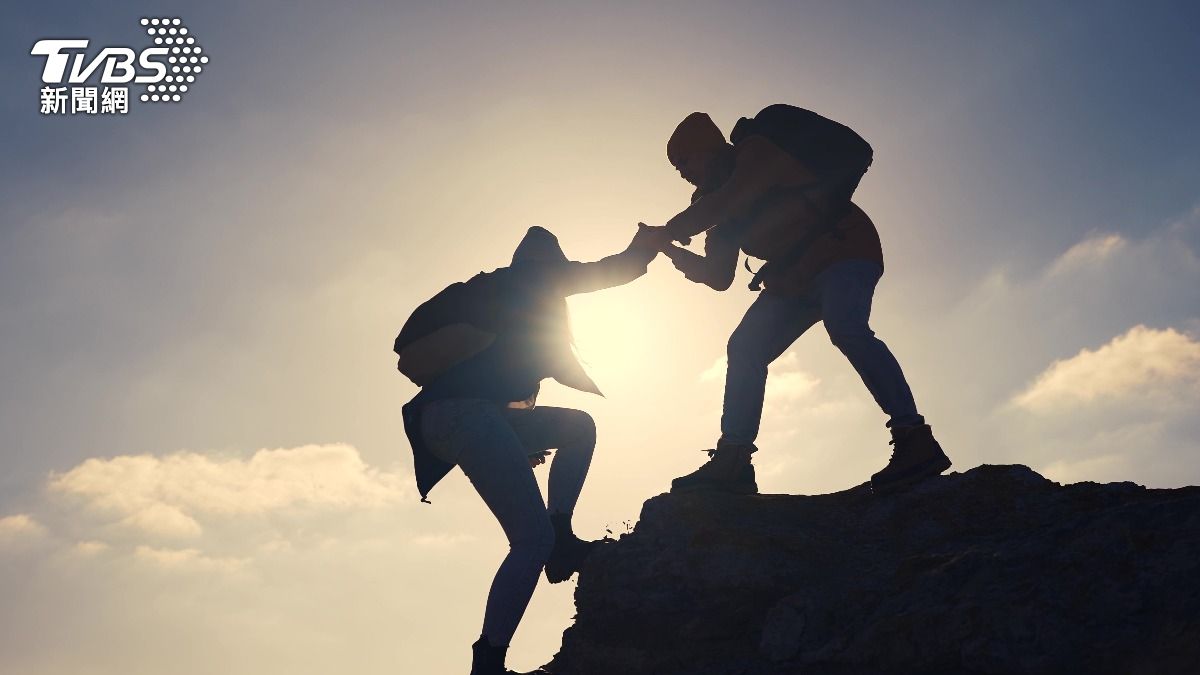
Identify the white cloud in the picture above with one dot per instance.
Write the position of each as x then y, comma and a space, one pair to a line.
1143, 363
1186, 223
90, 548
168, 496
186, 560
716, 371
786, 381
1095, 249
1100, 468
19, 528
163, 520
790, 385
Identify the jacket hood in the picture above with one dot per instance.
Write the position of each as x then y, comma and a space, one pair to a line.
539, 245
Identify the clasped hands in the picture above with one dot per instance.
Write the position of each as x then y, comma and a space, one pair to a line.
651, 237
659, 239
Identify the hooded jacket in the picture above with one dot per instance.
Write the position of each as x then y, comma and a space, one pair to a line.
532, 342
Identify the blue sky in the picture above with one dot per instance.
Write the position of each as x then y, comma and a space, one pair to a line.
197, 301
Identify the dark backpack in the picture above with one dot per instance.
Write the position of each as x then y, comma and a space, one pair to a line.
834, 152
831, 150
471, 302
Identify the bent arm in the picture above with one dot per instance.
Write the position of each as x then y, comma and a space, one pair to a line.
758, 165
715, 269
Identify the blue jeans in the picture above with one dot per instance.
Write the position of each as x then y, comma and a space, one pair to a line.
841, 297
491, 444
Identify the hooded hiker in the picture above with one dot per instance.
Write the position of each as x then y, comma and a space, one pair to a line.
480, 349
780, 190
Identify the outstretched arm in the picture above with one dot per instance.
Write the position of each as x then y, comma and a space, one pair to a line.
715, 269
617, 269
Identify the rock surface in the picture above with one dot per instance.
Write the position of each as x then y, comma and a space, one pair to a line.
995, 570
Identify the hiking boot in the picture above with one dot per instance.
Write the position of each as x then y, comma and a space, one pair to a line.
489, 660
569, 551
915, 455
727, 470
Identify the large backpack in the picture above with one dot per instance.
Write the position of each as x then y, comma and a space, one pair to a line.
831, 150
448, 328
834, 152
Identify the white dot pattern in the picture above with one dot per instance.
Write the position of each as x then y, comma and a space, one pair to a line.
170, 31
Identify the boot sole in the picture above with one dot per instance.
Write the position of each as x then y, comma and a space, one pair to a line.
933, 467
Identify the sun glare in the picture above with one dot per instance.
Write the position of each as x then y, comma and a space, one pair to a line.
610, 335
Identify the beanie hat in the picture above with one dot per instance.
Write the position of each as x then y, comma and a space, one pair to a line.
696, 132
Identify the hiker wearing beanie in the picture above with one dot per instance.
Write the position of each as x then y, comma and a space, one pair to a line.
480, 349
780, 190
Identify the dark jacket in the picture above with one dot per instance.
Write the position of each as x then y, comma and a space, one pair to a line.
527, 348
754, 211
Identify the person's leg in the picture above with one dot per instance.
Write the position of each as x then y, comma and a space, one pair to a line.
494, 459
846, 289
573, 434
771, 324
769, 327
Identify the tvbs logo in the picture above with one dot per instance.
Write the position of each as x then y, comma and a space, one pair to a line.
167, 69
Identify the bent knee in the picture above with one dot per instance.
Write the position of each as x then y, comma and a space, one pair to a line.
742, 347
579, 425
850, 336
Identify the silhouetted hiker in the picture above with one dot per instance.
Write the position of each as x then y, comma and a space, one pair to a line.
780, 191
480, 350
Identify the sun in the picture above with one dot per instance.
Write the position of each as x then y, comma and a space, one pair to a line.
610, 336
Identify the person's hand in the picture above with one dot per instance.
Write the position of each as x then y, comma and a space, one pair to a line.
679, 221
677, 254
691, 265
647, 236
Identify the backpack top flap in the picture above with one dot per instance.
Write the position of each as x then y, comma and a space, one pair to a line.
461, 302
832, 150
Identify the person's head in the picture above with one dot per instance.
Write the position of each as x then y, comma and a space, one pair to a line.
699, 151
547, 316
538, 245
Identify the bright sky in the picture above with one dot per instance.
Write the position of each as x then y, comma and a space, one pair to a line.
203, 463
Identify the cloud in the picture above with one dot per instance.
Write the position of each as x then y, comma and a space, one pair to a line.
786, 380
19, 528
1188, 223
1099, 468
90, 548
787, 386
163, 520
169, 496
1144, 363
1094, 249
186, 560
716, 371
